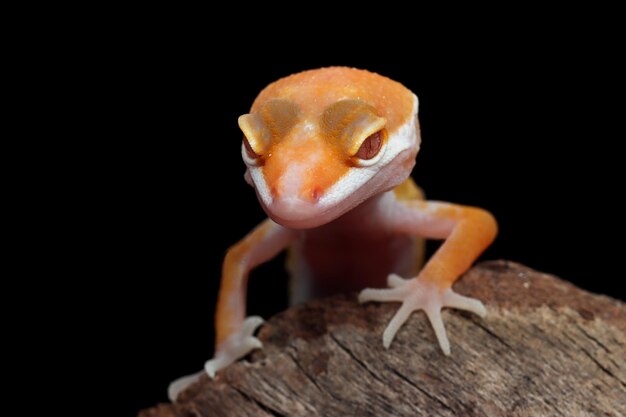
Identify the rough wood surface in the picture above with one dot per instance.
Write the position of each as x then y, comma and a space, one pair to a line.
546, 348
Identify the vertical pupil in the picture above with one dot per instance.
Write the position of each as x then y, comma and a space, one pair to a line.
370, 146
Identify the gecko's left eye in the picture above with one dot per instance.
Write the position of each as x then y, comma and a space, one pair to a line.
371, 146
370, 151
249, 156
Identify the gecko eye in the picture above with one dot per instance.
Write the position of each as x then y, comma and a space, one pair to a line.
249, 150
370, 146
371, 150
249, 156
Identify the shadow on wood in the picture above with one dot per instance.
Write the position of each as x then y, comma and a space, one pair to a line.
545, 348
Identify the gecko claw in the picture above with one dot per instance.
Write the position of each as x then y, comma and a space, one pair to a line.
395, 280
180, 384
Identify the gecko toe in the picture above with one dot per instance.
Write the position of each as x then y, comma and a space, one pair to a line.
250, 324
460, 302
395, 280
375, 294
396, 323
179, 385
434, 316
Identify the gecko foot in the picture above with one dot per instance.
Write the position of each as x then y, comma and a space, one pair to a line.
236, 346
420, 294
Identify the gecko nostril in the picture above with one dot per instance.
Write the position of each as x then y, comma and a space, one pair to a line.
316, 193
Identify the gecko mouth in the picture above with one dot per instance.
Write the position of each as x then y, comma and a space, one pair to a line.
295, 212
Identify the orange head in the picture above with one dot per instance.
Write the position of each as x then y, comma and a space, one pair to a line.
320, 142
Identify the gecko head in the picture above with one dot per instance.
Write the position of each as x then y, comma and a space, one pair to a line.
321, 142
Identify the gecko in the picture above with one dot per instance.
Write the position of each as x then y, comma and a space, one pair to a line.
329, 153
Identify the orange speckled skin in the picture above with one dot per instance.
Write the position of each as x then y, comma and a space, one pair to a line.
331, 167
313, 91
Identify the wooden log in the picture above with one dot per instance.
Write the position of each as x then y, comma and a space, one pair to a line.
546, 348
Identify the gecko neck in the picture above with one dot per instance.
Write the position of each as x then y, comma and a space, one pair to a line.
328, 259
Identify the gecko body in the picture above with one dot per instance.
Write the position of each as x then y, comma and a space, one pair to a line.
329, 153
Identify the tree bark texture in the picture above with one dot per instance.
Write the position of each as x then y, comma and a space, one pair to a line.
546, 348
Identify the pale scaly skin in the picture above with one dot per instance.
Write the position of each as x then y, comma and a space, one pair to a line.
322, 149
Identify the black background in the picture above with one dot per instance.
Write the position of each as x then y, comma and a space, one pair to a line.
517, 128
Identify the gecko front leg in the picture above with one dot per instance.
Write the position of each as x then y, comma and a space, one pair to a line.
467, 230
235, 333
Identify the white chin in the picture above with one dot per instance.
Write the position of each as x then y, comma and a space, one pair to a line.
295, 213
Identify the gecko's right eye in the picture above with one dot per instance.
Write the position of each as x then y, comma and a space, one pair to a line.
249, 156
249, 149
